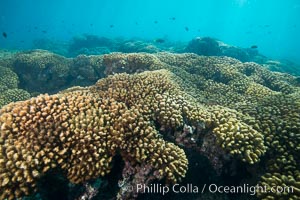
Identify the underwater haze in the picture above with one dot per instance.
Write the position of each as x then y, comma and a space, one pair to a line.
149, 100
272, 26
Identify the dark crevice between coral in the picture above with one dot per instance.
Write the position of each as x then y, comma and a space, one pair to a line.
109, 187
55, 185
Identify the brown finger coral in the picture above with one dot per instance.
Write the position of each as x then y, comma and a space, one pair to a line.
79, 132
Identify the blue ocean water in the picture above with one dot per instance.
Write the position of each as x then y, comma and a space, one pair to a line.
272, 25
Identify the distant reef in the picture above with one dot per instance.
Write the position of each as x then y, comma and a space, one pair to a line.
88, 44
41, 71
112, 121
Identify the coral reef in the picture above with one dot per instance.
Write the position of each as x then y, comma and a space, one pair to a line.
224, 109
94, 45
6, 56
79, 132
267, 102
38, 68
205, 46
58, 72
86, 70
8, 87
8, 78
132, 46
284, 66
12, 95
170, 111
114, 115
282, 179
58, 47
130, 63
89, 44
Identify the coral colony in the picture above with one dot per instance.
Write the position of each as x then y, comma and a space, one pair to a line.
150, 110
